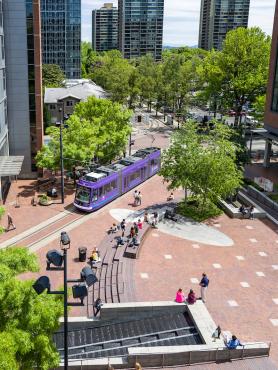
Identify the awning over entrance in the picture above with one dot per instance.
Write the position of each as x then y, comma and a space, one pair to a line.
10, 165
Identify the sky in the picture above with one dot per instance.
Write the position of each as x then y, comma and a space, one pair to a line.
181, 19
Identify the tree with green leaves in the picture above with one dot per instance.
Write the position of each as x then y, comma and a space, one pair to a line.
259, 107
2, 212
238, 73
27, 321
179, 79
89, 58
204, 164
52, 75
113, 73
98, 129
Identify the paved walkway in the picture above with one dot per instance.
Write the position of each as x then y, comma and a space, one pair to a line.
183, 228
243, 291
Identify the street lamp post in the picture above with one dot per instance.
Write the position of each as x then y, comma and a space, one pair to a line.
61, 157
88, 278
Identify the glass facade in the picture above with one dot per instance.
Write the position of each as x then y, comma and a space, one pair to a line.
31, 80
4, 147
105, 28
219, 17
141, 27
61, 35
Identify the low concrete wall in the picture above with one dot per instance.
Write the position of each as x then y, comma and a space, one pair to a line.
180, 355
262, 198
139, 310
210, 351
233, 212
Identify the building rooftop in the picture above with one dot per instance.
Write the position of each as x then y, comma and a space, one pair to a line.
79, 89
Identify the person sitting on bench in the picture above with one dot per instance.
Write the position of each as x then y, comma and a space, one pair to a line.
170, 215
132, 232
243, 210
113, 229
171, 197
94, 258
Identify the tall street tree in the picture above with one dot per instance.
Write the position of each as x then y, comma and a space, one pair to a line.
98, 130
239, 72
204, 164
27, 321
52, 75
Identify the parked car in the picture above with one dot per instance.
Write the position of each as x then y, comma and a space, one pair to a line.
251, 121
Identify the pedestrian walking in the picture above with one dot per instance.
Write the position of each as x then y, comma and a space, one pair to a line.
139, 198
135, 195
10, 223
204, 286
122, 226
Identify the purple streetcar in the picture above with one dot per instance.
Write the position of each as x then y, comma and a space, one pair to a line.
106, 183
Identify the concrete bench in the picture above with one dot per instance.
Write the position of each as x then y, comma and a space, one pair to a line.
132, 251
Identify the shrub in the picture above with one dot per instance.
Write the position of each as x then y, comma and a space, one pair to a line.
193, 208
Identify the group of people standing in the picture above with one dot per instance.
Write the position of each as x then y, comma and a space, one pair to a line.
137, 198
191, 297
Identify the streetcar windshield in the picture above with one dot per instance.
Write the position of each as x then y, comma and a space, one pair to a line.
83, 194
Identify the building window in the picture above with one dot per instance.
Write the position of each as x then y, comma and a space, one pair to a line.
70, 103
274, 104
52, 106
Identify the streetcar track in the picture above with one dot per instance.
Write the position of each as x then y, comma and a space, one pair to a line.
18, 241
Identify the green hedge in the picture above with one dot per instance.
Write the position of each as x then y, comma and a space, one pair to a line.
192, 208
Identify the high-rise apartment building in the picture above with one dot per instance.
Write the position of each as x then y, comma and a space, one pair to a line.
271, 111
61, 35
217, 17
24, 80
141, 28
105, 28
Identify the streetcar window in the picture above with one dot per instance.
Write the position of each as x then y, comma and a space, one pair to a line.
100, 191
134, 176
114, 184
94, 196
83, 194
106, 188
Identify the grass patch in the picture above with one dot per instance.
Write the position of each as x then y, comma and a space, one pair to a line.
274, 197
192, 208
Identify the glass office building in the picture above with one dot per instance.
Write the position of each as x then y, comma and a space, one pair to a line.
61, 35
141, 28
217, 17
4, 145
105, 28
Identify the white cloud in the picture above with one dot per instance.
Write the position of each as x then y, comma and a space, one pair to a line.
181, 19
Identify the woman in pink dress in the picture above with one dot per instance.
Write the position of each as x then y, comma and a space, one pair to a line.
180, 298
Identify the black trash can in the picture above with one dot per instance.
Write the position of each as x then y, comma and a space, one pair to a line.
139, 118
82, 254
